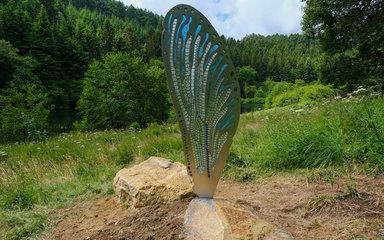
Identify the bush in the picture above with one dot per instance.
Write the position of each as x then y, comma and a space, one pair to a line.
24, 113
134, 126
302, 95
120, 90
277, 89
284, 93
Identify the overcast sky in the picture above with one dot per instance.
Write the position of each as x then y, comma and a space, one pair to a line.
238, 18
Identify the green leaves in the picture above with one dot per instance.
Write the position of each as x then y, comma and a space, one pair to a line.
121, 89
24, 113
350, 33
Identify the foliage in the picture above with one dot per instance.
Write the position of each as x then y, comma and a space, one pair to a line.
276, 90
298, 93
247, 77
278, 57
9, 60
15, 69
349, 32
24, 113
60, 36
303, 95
120, 90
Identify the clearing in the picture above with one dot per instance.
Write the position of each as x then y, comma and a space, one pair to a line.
309, 206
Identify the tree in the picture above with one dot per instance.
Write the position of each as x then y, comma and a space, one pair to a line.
157, 107
106, 38
350, 31
246, 76
120, 90
24, 113
126, 40
44, 50
279, 57
51, 8
153, 43
9, 60
16, 69
16, 25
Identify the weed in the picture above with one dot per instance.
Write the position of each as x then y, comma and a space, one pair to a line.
323, 175
322, 201
124, 154
314, 225
351, 192
3, 156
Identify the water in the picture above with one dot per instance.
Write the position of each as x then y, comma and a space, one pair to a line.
61, 120
251, 107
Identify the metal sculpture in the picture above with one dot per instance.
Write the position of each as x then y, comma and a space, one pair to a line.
204, 91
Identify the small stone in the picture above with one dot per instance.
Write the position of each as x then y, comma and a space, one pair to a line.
156, 180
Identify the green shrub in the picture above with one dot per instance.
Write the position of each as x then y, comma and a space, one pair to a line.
302, 95
277, 89
120, 90
134, 126
24, 113
284, 93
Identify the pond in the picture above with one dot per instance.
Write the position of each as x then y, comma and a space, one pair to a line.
61, 120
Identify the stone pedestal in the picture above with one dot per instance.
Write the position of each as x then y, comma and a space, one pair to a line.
207, 219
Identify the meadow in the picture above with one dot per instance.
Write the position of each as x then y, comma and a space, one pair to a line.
339, 136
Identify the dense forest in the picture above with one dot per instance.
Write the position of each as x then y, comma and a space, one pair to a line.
104, 59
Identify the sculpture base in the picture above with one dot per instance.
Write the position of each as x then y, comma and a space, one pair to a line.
217, 219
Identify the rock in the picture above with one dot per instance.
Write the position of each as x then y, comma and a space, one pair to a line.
153, 181
207, 219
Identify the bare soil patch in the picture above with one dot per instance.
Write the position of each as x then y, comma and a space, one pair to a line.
350, 208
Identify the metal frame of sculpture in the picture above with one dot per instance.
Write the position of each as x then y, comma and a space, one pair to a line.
204, 91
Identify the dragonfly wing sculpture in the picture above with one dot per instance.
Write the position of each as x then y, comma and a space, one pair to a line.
204, 91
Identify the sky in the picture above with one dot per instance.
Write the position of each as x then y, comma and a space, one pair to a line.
238, 18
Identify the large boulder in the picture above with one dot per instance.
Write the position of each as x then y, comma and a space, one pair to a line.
153, 181
207, 219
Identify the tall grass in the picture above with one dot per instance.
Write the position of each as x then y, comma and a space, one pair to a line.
36, 178
337, 133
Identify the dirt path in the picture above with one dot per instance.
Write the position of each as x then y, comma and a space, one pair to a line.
349, 209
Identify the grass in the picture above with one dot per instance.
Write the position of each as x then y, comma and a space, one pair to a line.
36, 178
335, 133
